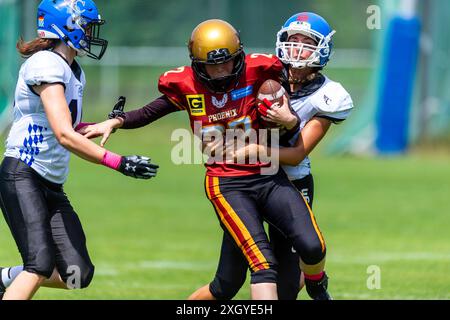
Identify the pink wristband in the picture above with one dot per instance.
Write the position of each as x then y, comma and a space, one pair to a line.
111, 160
81, 125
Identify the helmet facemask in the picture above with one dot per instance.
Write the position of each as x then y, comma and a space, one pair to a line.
222, 84
92, 45
290, 52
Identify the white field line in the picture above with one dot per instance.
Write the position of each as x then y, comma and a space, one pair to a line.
115, 269
389, 257
173, 265
105, 269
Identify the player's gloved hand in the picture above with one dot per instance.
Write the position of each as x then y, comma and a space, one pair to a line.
133, 166
138, 167
117, 111
118, 108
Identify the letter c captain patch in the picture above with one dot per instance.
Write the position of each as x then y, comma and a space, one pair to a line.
196, 103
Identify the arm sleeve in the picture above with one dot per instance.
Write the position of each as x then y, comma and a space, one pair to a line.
149, 113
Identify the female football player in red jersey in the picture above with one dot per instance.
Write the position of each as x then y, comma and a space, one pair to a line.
304, 45
47, 113
219, 92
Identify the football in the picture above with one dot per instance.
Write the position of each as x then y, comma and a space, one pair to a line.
272, 91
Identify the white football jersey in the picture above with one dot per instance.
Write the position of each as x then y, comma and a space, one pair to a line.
31, 138
330, 101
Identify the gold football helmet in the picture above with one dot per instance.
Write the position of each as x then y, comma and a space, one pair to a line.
214, 42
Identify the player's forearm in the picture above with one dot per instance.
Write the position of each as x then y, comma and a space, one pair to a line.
308, 139
292, 156
81, 146
148, 114
134, 166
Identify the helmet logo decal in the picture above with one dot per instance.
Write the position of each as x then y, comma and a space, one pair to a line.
302, 17
75, 21
74, 7
218, 54
220, 103
41, 22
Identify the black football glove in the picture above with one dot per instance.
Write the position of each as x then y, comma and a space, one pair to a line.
138, 167
117, 111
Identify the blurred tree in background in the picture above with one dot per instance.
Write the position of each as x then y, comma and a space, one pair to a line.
170, 22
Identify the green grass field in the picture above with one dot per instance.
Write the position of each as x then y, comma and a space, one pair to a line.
160, 239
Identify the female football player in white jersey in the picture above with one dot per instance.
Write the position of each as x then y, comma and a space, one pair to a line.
47, 115
304, 45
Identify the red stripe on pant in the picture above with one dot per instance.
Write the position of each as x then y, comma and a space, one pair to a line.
235, 226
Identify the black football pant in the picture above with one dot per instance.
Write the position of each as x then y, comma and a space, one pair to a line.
44, 225
248, 200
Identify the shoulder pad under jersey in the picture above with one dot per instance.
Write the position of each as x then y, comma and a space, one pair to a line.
332, 100
45, 67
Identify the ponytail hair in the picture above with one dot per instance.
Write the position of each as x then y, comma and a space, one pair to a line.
28, 48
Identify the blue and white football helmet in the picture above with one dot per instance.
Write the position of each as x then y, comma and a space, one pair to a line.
76, 22
312, 26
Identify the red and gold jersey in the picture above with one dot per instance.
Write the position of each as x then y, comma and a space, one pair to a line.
222, 111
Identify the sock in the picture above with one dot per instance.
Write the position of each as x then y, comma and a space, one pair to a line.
314, 277
9, 274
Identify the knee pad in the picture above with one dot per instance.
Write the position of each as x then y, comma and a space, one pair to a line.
223, 289
311, 252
